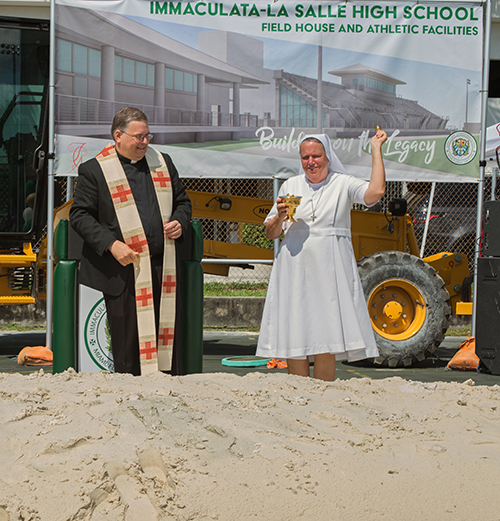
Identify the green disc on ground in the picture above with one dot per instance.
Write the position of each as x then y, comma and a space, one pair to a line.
244, 361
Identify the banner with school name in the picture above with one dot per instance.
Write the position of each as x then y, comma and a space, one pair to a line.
229, 88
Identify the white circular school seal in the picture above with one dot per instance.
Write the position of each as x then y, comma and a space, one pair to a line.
97, 337
460, 147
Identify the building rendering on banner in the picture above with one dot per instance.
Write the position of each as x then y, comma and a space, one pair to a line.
105, 62
364, 96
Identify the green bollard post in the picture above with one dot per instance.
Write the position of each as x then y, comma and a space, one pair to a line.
192, 305
64, 303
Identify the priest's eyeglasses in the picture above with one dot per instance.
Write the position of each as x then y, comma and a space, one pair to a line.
140, 137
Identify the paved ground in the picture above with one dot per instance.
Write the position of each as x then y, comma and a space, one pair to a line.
218, 345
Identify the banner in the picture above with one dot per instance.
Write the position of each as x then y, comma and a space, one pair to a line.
229, 88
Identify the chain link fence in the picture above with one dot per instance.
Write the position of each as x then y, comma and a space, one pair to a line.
452, 217
242, 279
452, 224
62, 184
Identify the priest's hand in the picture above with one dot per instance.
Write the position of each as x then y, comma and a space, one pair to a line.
173, 229
123, 253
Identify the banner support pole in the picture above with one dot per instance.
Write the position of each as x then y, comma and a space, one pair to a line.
319, 92
482, 151
50, 178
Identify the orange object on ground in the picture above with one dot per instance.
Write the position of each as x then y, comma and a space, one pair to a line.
275, 363
465, 358
35, 355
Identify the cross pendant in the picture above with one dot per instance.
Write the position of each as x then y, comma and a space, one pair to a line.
313, 217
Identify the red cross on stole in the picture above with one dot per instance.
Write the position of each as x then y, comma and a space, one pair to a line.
148, 350
120, 194
169, 283
166, 336
161, 179
106, 151
144, 297
138, 243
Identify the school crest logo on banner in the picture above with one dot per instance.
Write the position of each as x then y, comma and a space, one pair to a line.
460, 148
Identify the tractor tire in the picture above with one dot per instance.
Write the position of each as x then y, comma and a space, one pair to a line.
408, 306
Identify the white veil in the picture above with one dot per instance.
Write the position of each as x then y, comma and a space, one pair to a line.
334, 164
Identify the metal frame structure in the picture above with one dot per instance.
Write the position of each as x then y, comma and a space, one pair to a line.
50, 191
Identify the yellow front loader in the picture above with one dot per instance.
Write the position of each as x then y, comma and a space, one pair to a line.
410, 300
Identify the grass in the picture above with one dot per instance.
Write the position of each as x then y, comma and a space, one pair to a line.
452, 331
247, 329
458, 331
17, 327
235, 289
246, 289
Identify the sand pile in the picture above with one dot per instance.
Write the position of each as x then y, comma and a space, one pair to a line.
260, 447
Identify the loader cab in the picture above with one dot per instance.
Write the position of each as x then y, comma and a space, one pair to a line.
24, 69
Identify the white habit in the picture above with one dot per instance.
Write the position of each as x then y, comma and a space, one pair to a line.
315, 303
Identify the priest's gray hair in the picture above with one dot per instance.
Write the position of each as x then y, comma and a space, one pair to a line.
123, 118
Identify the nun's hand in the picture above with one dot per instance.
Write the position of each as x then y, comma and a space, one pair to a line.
379, 139
282, 209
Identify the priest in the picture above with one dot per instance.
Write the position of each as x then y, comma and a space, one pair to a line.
134, 215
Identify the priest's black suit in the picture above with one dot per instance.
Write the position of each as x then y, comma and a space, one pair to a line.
93, 217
